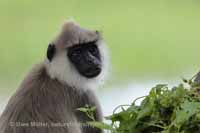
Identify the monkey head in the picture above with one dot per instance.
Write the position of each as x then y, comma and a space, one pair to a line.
77, 56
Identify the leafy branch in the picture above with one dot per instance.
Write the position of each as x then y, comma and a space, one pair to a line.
163, 110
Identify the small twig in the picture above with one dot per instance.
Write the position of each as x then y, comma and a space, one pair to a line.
119, 107
138, 99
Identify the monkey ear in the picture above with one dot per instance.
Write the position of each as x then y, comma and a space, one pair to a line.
51, 52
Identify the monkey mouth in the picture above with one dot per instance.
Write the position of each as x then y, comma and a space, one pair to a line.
92, 72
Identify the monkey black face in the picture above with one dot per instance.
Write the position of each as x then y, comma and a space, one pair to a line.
86, 59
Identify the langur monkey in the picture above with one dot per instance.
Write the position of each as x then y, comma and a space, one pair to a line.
48, 98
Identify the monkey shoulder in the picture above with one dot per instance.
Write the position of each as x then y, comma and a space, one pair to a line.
42, 99
35, 96
38, 101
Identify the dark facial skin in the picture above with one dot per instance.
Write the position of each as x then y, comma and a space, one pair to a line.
51, 52
86, 59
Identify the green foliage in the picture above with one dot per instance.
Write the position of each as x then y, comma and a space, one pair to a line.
89, 111
164, 110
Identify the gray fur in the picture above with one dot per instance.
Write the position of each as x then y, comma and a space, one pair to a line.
72, 34
42, 99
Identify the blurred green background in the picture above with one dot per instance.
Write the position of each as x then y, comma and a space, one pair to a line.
148, 39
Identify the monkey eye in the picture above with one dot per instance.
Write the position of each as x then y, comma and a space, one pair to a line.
93, 50
78, 51
76, 54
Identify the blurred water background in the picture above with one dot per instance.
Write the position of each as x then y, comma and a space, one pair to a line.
150, 42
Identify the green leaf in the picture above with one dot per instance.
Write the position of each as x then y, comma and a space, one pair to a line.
101, 125
82, 109
187, 110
